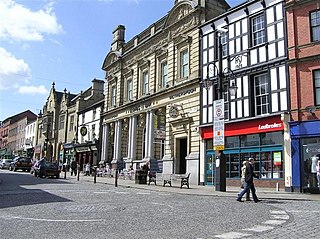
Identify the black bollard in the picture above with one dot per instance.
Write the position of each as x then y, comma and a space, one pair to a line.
116, 179
94, 174
78, 172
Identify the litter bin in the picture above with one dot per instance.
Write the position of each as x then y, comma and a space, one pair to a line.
141, 177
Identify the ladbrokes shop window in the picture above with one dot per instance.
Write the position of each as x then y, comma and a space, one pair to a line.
265, 148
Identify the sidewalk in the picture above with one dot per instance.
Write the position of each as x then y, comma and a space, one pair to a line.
262, 193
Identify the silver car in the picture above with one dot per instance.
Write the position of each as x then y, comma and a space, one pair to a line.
5, 163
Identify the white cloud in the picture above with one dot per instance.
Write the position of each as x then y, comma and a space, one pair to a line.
13, 71
19, 23
32, 90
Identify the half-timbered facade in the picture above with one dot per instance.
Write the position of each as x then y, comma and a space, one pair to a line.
253, 57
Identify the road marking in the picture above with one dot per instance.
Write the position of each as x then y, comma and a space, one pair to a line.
233, 235
56, 220
162, 204
282, 217
277, 212
274, 222
259, 228
141, 193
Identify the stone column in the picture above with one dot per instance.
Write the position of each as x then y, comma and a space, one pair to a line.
105, 142
133, 137
146, 138
151, 135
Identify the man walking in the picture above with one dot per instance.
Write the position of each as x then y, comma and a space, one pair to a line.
249, 181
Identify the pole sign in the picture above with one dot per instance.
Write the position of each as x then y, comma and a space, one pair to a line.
218, 124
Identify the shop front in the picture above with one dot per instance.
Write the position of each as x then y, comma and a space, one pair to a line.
86, 153
261, 139
305, 143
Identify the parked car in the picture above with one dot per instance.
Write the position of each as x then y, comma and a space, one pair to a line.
22, 163
47, 170
5, 163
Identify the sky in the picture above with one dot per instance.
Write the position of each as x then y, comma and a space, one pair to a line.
62, 41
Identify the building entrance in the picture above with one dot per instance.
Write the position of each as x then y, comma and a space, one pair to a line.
181, 165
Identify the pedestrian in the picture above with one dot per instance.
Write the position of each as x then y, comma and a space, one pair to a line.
88, 169
243, 181
73, 167
249, 175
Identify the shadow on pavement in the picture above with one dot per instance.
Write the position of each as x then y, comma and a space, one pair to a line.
13, 195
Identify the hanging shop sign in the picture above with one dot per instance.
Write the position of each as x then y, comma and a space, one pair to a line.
83, 130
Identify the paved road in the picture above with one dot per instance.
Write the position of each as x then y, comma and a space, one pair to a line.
56, 208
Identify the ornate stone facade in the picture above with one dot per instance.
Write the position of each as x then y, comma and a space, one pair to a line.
152, 107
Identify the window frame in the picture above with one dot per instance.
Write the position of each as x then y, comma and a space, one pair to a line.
317, 26
113, 96
129, 89
262, 96
261, 28
71, 126
184, 65
61, 122
224, 43
164, 74
145, 82
315, 87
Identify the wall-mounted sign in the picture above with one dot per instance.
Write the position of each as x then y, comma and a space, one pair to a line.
83, 130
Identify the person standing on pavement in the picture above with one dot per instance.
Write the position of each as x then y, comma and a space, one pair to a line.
88, 167
243, 181
249, 175
73, 167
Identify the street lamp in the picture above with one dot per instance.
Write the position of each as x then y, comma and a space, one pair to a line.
220, 78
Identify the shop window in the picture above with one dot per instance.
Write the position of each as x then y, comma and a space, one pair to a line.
233, 164
315, 25
232, 142
309, 161
272, 138
250, 140
258, 30
316, 77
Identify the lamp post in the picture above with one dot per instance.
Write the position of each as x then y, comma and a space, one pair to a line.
220, 78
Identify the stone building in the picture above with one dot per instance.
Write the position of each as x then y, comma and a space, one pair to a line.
151, 110
57, 130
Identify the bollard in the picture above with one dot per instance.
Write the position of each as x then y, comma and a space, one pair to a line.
65, 173
78, 172
277, 187
94, 174
116, 179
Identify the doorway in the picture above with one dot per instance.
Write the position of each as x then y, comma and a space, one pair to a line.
182, 150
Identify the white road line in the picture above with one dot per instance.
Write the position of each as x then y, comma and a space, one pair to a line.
274, 222
122, 192
143, 193
281, 217
55, 220
259, 228
278, 212
162, 204
233, 235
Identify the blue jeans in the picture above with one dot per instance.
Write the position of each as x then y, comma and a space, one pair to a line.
248, 187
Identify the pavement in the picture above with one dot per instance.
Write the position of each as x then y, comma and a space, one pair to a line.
262, 193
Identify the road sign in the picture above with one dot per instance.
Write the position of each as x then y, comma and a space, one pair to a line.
218, 124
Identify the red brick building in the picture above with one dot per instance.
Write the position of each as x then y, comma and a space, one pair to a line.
303, 31
303, 26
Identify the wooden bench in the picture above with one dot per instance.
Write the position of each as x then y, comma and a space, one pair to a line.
168, 178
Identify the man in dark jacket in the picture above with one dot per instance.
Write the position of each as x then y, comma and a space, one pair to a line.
249, 180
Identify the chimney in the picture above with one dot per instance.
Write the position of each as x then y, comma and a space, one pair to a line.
118, 38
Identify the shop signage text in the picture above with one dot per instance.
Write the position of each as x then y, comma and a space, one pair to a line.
270, 126
182, 93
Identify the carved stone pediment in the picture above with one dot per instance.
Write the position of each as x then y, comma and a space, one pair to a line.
179, 12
